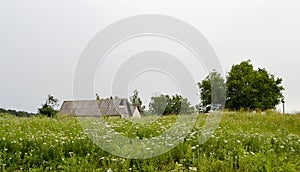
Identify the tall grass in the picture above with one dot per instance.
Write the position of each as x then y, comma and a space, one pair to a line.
242, 142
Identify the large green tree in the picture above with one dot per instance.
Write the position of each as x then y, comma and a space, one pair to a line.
212, 92
165, 105
252, 89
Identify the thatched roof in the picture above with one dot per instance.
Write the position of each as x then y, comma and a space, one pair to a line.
115, 106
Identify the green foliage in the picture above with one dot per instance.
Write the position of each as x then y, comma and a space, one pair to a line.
242, 142
166, 105
212, 92
159, 104
16, 113
136, 101
97, 96
48, 108
252, 89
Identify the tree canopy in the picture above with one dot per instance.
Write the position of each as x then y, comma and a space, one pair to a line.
252, 89
212, 92
165, 105
49, 107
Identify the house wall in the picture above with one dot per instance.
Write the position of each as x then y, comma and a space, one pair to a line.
136, 113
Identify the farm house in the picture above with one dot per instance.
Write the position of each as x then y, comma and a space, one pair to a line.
111, 107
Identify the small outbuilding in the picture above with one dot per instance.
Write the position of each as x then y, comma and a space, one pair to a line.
109, 107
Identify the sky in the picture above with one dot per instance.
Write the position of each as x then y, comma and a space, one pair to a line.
41, 41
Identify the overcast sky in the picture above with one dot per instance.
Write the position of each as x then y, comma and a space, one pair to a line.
41, 41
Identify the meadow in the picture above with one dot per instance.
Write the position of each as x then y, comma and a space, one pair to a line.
242, 142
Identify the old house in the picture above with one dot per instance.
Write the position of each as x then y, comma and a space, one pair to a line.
110, 107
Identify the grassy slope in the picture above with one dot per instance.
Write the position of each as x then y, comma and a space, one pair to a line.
242, 142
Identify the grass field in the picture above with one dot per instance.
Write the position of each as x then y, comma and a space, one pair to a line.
242, 142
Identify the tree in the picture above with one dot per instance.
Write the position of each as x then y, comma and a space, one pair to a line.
165, 105
49, 107
212, 92
160, 105
97, 96
136, 101
252, 89
180, 105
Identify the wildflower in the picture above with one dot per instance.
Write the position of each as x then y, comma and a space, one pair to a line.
193, 168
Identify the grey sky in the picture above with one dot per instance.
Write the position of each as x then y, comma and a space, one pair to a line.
41, 41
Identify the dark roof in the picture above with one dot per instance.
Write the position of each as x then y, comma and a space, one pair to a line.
115, 106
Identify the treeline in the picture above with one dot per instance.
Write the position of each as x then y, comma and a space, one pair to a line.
16, 113
243, 88
163, 104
